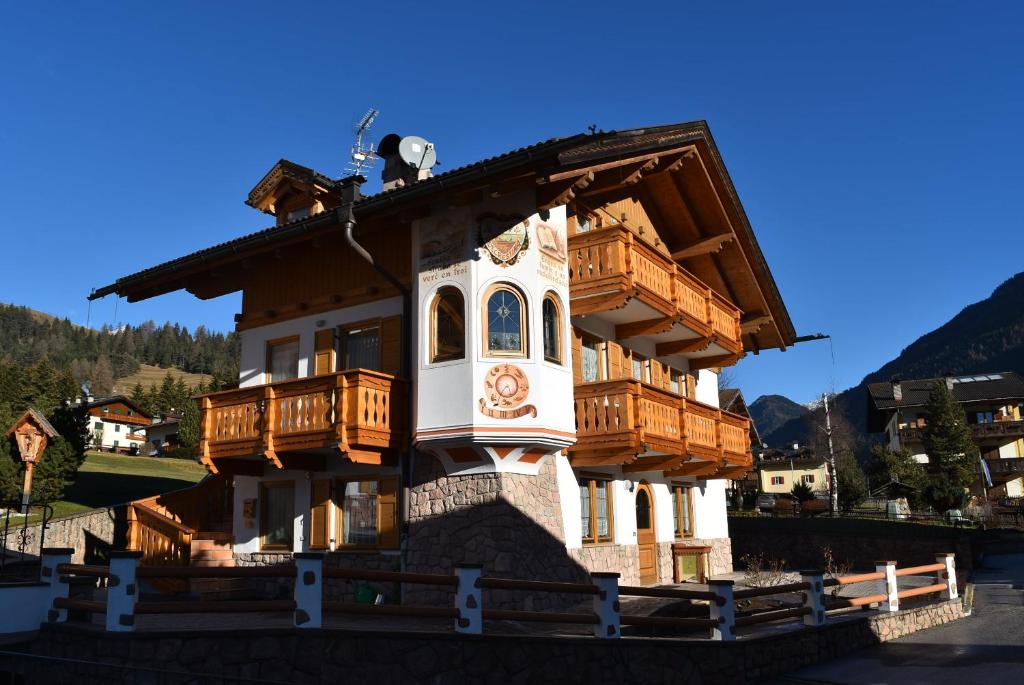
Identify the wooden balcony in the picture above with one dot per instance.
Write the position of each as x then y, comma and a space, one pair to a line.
645, 428
358, 412
1003, 470
998, 431
618, 276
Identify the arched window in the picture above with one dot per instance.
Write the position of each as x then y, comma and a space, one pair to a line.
448, 326
505, 322
551, 315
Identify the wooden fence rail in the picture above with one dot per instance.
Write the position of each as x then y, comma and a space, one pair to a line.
468, 612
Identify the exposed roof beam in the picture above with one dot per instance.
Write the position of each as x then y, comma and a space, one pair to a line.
718, 360
753, 322
706, 246
566, 192
662, 324
611, 165
667, 349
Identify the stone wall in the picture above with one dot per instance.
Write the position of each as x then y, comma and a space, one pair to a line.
622, 559
327, 656
335, 589
92, 534
860, 542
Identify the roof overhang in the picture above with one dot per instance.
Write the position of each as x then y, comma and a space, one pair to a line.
675, 170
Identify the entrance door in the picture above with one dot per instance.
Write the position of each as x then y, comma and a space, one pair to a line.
646, 546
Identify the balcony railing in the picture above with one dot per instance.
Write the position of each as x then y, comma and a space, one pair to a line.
1003, 470
1011, 430
609, 266
618, 420
357, 411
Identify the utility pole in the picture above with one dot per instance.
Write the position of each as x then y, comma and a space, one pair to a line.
833, 484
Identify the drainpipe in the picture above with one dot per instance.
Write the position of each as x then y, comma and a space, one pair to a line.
350, 194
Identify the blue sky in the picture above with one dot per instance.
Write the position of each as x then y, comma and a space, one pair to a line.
876, 147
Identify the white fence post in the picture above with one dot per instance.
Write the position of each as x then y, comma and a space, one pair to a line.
814, 597
50, 558
892, 602
309, 589
723, 610
469, 599
606, 604
948, 576
122, 590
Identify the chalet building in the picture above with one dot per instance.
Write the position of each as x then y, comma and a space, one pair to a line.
115, 424
732, 400
512, 363
993, 403
779, 470
162, 435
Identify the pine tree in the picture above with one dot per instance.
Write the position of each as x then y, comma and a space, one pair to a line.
850, 481
188, 429
102, 377
952, 454
898, 466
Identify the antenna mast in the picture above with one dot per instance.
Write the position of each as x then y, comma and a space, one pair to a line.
363, 156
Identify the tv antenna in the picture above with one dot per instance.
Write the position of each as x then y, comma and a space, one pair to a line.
363, 156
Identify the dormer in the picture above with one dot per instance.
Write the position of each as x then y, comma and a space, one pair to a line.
291, 192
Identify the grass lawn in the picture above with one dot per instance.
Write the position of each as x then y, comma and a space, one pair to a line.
153, 375
106, 479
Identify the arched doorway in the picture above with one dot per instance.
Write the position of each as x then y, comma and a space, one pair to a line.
647, 548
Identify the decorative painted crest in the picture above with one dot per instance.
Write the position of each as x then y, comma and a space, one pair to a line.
503, 237
505, 388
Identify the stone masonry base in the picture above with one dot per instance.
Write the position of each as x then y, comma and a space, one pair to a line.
327, 656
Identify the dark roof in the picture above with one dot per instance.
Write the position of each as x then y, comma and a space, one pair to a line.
975, 388
100, 401
727, 396
553, 153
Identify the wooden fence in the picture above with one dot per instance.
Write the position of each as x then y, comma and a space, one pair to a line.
307, 606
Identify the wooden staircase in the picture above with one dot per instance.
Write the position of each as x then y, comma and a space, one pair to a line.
190, 527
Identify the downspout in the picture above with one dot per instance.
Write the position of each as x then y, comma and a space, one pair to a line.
350, 194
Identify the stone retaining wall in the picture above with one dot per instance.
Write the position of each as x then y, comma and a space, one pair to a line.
92, 534
328, 656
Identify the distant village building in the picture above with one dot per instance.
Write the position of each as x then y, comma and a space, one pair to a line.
115, 424
993, 404
162, 435
513, 363
778, 470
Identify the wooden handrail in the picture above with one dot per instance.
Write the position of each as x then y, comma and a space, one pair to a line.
915, 570
861, 601
390, 576
163, 520
537, 585
857, 578
769, 616
219, 607
280, 571
80, 605
638, 591
668, 621
538, 616
773, 590
391, 610
926, 590
84, 570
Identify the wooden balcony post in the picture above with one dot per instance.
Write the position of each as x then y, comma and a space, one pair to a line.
719, 438
205, 428
606, 604
50, 558
469, 600
892, 602
340, 408
269, 422
309, 589
814, 597
947, 576
723, 610
122, 591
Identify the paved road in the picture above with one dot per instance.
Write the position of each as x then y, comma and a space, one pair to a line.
987, 647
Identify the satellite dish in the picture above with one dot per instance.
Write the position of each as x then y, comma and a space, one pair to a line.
417, 152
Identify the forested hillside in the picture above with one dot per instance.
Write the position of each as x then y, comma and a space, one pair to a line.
985, 337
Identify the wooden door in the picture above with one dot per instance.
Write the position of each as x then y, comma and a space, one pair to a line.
647, 548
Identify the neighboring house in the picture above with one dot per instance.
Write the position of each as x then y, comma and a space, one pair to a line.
162, 435
523, 377
779, 470
115, 424
993, 404
732, 400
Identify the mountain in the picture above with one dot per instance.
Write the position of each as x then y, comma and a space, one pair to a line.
985, 337
769, 412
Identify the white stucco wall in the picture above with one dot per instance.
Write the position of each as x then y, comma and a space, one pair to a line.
253, 362
25, 608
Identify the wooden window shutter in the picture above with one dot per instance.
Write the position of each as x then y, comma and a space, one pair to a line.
387, 512
616, 358
577, 356
320, 514
324, 354
391, 345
